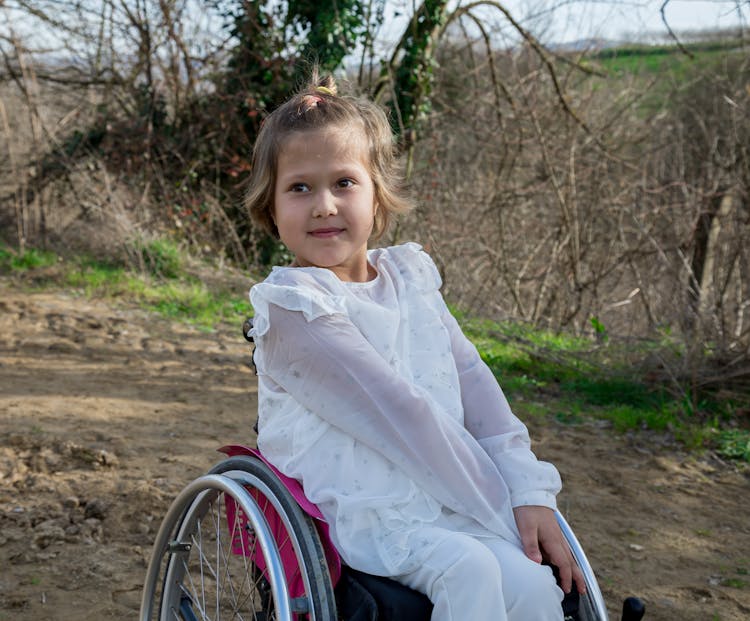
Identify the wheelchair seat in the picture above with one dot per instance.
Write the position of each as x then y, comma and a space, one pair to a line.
363, 597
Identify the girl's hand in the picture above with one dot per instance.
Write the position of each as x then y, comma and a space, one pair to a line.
542, 539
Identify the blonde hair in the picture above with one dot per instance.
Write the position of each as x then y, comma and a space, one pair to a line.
316, 107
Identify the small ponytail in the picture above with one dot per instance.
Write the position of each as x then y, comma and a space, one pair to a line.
325, 84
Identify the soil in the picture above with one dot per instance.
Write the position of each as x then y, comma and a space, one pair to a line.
107, 411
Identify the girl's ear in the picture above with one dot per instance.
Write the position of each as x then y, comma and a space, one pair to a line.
376, 220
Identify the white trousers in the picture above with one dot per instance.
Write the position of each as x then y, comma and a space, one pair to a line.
482, 579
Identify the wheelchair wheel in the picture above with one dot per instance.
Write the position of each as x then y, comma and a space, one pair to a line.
235, 545
588, 607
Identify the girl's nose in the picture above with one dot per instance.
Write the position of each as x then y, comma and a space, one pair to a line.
325, 205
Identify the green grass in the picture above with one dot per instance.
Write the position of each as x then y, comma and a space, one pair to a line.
661, 74
574, 379
160, 257
734, 444
163, 287
30, 258
657, 60
734, 583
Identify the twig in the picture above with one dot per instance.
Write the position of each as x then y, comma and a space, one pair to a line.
683, 49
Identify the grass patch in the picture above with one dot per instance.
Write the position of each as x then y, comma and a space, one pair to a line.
29, 259
161, 258
626, 417
665, 76
734, 583
616, 390
733, 444
660, 59
96, 277
192, 302
513, 349
582, 378
164, 286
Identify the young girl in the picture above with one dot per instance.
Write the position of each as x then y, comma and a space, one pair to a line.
370, 394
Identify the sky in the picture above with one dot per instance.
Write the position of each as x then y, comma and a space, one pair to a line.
570, 20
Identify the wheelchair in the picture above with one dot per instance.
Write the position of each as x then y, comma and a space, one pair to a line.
242, 542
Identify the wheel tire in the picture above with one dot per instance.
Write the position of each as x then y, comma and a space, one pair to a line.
216, 557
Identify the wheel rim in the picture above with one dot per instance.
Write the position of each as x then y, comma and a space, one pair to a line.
213, 581
204, 578
193, 574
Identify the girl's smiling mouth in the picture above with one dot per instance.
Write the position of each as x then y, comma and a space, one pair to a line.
326, 232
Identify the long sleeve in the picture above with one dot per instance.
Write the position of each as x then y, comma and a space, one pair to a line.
488, 417
329, 368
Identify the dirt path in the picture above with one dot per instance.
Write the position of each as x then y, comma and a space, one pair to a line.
105, 414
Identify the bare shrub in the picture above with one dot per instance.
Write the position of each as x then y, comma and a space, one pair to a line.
634, 225
106, 125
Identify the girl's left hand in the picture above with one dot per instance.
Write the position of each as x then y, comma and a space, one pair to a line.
543, 540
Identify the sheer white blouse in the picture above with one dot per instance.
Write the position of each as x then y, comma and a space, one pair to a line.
372, 397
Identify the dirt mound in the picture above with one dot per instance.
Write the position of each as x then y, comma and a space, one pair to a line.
106, 413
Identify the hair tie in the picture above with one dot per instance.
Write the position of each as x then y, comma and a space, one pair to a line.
325, 90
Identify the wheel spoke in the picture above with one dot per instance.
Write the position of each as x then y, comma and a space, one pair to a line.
209, 569
234, 531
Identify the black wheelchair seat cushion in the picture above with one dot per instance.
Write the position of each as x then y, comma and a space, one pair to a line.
362, 597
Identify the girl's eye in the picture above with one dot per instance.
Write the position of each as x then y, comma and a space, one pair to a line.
345, 183
299, 187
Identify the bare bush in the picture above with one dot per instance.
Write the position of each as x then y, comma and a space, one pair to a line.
634, 225
101, 109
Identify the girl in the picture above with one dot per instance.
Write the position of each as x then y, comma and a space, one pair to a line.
369, 393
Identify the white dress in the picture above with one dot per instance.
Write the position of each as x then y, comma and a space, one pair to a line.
372, 397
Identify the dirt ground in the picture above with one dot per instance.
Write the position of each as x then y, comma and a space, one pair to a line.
105, 413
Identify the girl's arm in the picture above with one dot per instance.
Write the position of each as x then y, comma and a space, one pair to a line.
501, 434
533, 484
330, 368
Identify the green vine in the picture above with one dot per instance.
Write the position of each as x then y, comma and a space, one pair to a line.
409, 75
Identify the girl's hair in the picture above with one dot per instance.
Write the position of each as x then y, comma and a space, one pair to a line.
316, 107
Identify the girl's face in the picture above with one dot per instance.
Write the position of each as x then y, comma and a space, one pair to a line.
324, 201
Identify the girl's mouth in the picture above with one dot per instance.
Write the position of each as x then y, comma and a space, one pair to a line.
326, 232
